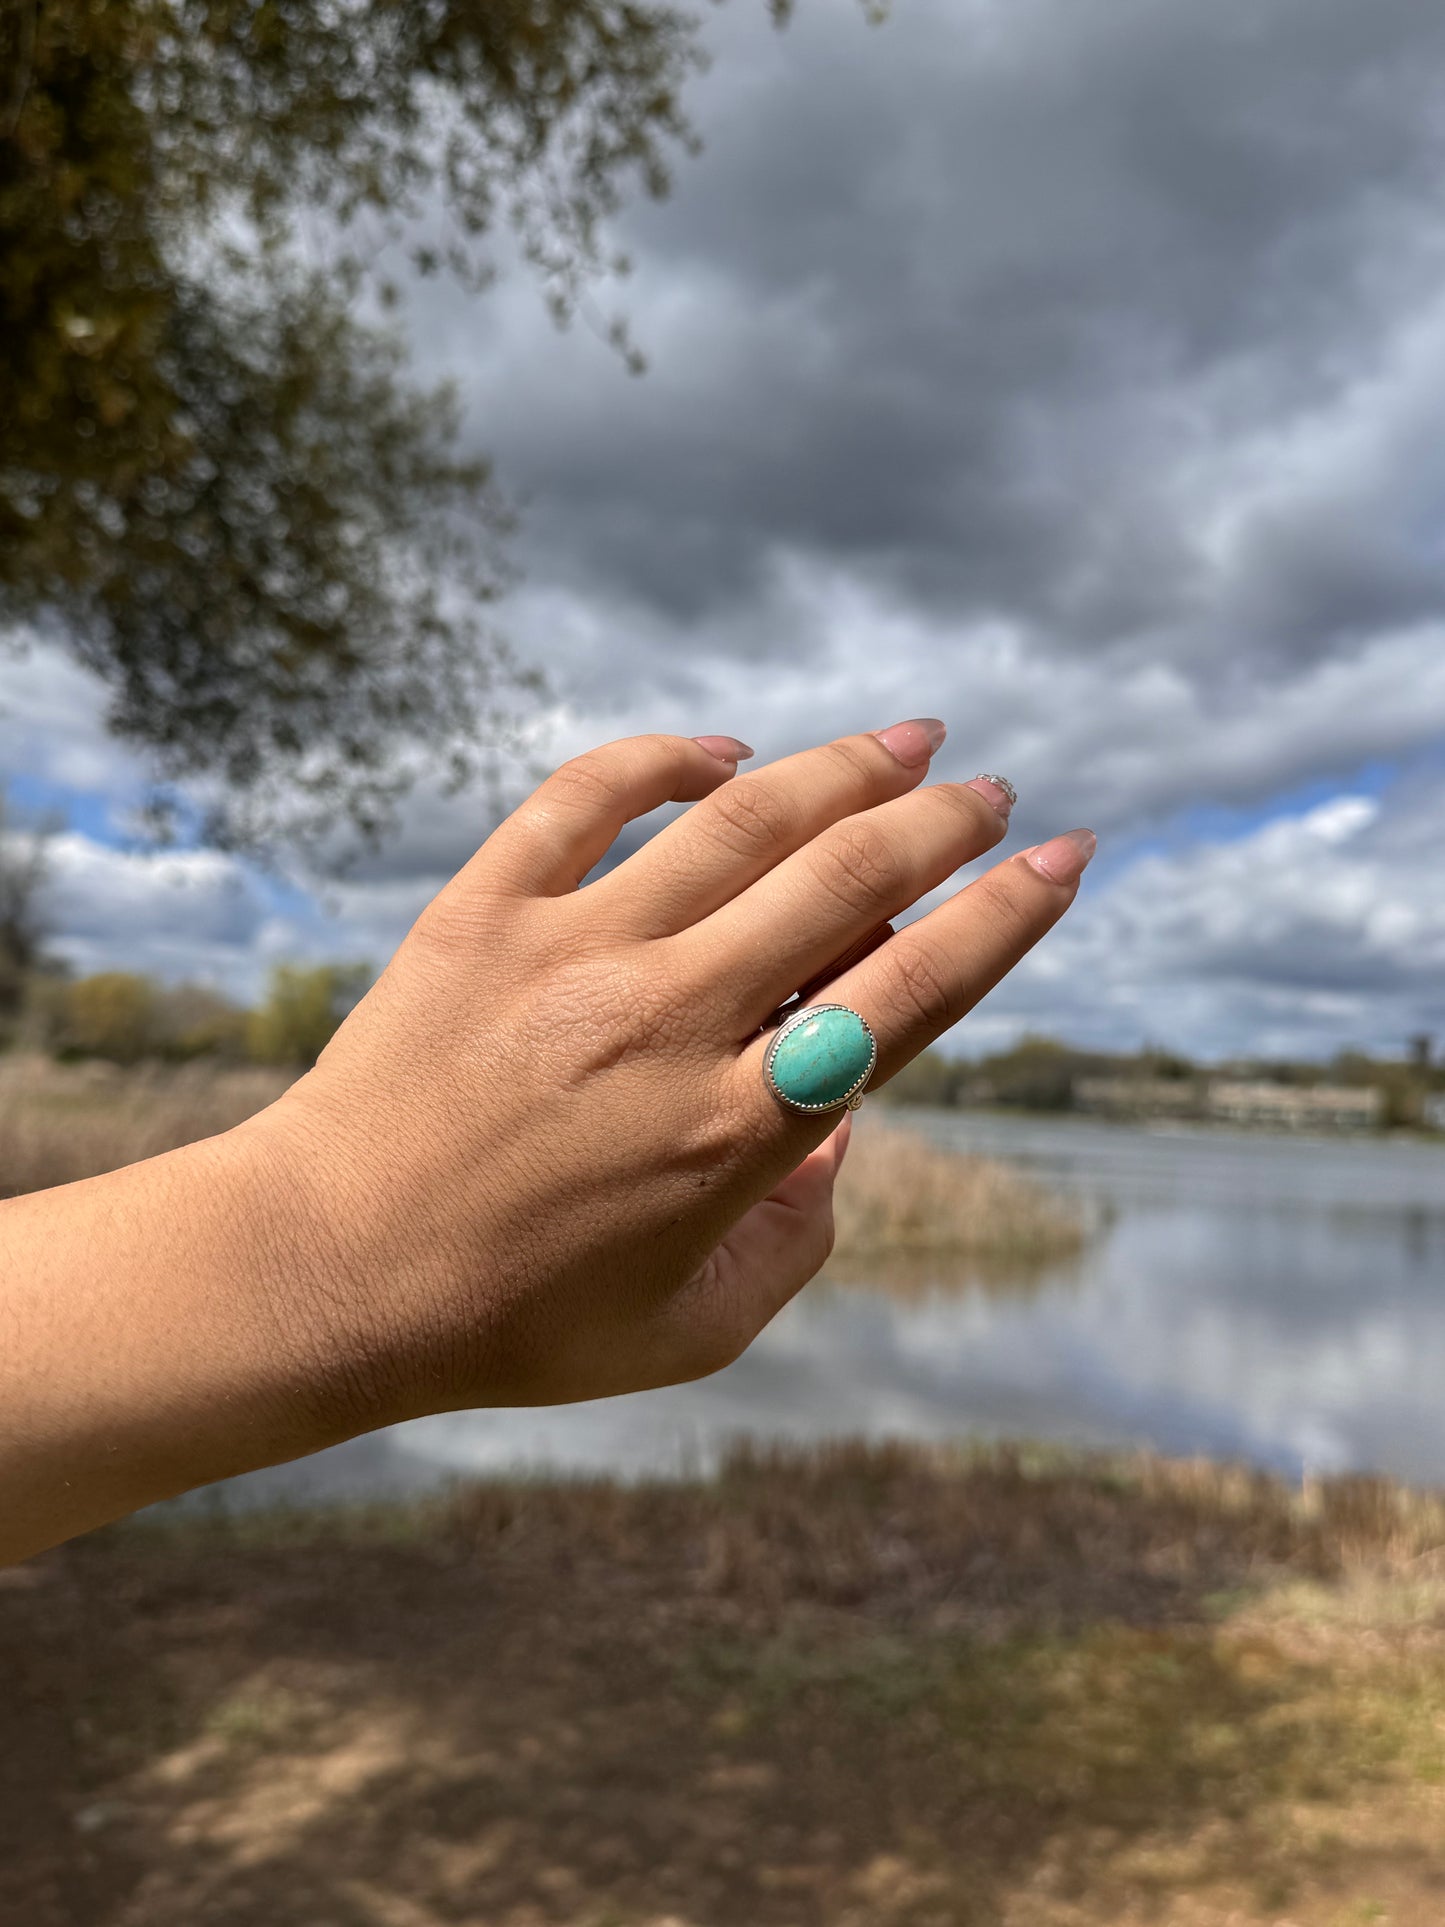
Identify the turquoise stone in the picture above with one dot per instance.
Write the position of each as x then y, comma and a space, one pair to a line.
821, 1057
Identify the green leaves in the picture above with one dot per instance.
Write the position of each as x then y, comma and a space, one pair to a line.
219, 479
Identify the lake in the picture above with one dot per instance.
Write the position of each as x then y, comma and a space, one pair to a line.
1276, 1300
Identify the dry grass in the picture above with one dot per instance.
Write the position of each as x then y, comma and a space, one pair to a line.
60, 1122
876, 1688
902, 1198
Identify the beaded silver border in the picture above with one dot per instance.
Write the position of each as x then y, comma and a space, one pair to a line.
852, 1096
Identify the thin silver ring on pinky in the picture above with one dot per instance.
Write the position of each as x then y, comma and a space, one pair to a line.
820, 1059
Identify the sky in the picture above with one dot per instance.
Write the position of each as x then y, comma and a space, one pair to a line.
1073, 370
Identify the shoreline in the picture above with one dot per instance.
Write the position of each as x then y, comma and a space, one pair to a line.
1202, 1127
879, 1687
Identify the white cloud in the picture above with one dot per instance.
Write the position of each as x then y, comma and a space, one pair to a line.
1311, 931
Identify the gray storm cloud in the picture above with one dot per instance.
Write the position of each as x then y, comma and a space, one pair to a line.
1074, 369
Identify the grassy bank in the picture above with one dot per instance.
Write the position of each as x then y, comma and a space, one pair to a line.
853, 1687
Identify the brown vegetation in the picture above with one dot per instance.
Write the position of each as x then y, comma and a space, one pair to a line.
60, 1122
877, 1688
902, 1198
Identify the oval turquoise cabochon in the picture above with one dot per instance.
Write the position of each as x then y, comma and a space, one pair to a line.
820, 1057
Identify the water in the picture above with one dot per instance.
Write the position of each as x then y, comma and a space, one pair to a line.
1276, 1300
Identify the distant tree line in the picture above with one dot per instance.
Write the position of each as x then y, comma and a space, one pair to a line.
1043, 1074
124, 1017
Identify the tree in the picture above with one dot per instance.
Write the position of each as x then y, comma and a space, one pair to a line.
303, 1008
217, 479
23, 924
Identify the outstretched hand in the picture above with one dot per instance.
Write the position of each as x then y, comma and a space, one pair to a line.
541, 1161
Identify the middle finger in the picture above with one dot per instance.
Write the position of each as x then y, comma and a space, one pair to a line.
757, 820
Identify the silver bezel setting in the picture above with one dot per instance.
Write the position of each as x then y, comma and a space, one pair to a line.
851, 1096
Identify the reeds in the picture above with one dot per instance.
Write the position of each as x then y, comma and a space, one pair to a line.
61, 1122
902, 1198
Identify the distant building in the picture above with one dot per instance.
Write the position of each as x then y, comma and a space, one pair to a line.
1138, 1096
1321, 1107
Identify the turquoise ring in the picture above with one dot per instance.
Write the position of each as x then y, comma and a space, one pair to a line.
820, 1058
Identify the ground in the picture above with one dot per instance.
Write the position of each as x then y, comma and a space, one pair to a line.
854, 1687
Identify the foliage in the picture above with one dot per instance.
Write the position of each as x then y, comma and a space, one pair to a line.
192, 1020
931, 1078
302, 1010
109, 1015
216, 477
1040, 1074
903, 1198
23, 928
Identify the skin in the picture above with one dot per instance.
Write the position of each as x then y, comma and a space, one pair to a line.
539, 1161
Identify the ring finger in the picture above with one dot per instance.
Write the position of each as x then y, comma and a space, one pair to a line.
924, 979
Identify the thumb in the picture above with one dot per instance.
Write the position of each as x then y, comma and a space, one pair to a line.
766, 1259
774, 1249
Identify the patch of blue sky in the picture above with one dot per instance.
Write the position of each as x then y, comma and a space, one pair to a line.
92, 813
1221, 823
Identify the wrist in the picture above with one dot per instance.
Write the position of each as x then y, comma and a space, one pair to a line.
162, 1344
357, 1266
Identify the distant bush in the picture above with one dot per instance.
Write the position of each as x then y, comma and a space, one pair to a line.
191, 1020
930, 1079
304, 1006
109, 1015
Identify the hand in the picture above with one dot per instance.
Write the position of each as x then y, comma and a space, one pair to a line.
539, 1162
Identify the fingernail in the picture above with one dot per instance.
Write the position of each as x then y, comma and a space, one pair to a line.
997, 791
1065, 859
727, 749
913, 742
841, 1139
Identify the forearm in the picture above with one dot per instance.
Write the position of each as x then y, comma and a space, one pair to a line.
153, 1336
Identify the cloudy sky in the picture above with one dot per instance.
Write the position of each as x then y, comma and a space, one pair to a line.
1070, 369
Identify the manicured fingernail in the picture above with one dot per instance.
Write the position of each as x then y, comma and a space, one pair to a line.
997, 791
1065, 859
727, 749
913, 742
841, 1139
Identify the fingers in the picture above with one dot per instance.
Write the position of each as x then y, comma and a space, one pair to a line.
823, 901
571, 820
928, 976
712, 853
